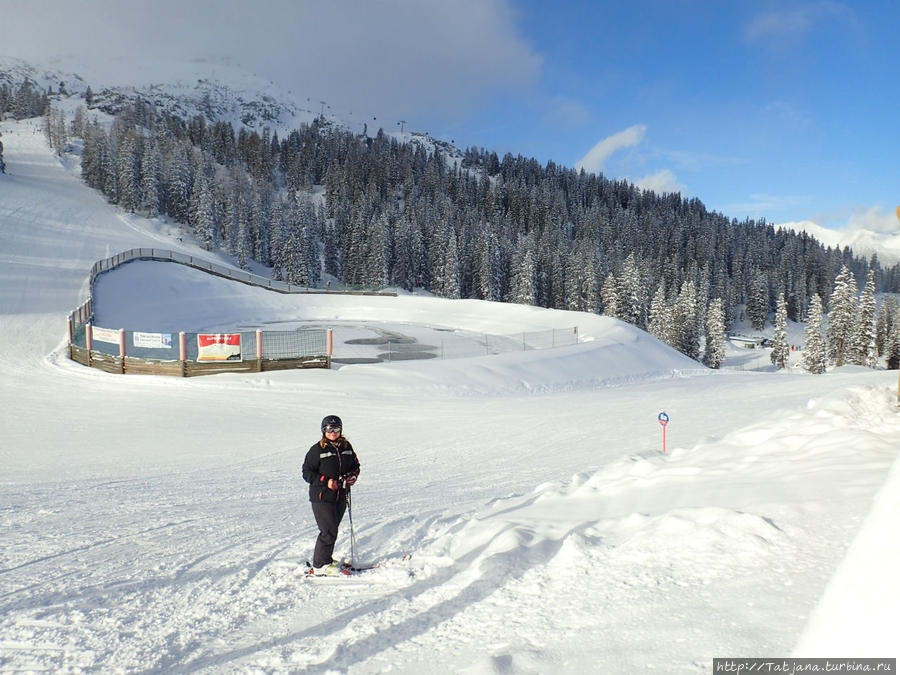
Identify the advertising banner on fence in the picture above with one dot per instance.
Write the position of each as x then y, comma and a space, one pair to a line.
153, 340
105, 334
219, 347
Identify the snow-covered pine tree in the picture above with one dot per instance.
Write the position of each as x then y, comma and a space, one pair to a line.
892, 347
487, 265
887, 315
178, 182
331, 252
589, 281
632, 306
451, 271
127, 166
758, 300
842, 318
781, 350
202, 216
660, 315
523, 282
376, 253
814, 343
864, 350
714, 354
684, 321
609, 295
296, 260
150, 178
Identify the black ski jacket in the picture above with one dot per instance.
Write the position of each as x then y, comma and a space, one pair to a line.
327, 460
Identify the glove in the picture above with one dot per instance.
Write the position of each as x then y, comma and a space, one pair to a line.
350, 480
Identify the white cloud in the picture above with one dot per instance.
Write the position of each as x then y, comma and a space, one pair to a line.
594, 160
395, 58
872, 219
785, 26
660, 182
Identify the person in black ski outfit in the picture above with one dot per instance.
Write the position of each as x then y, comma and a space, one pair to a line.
331, 467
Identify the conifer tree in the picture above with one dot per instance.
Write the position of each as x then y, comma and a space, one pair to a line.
842, 318
660, 315
202, 214
892, 347
609, 296
886, 318
150, 179
864, 349
684, 321
523, 283
781, 350
758, 302
631, 303
814, 342
376, 258
589, 281
332, 252
714, 354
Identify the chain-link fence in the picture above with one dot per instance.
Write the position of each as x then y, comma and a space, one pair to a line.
244, 345
392, 346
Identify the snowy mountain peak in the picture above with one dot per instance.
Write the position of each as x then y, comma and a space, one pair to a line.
215, 89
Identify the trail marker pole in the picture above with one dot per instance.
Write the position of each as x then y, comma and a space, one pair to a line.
663, 420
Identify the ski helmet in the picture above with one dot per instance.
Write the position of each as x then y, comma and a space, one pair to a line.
331, 421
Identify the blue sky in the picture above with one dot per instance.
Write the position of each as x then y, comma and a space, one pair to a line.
779, 110
783, 111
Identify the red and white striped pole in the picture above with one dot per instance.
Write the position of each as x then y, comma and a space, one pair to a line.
330, 345
663, 420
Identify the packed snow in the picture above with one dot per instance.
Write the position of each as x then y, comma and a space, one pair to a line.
521, 507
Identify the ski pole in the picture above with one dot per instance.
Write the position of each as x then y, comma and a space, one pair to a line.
353, 559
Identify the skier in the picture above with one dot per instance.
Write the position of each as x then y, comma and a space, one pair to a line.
331, 467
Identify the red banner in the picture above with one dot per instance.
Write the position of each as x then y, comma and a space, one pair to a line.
219, 347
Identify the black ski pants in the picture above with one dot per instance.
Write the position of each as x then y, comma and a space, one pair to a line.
328, 517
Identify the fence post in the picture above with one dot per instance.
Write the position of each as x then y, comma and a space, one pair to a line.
259, 350
330, 345
182, 353
122, 348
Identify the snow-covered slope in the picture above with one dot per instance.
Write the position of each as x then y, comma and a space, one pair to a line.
157, 524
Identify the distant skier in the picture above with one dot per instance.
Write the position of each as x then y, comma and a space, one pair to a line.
331, 467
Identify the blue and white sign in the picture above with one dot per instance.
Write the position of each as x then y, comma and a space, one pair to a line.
153, 340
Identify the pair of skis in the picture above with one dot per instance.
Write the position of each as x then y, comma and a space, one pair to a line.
339, 569
346, 569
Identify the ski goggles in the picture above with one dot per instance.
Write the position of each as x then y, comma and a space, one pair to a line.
332, 429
